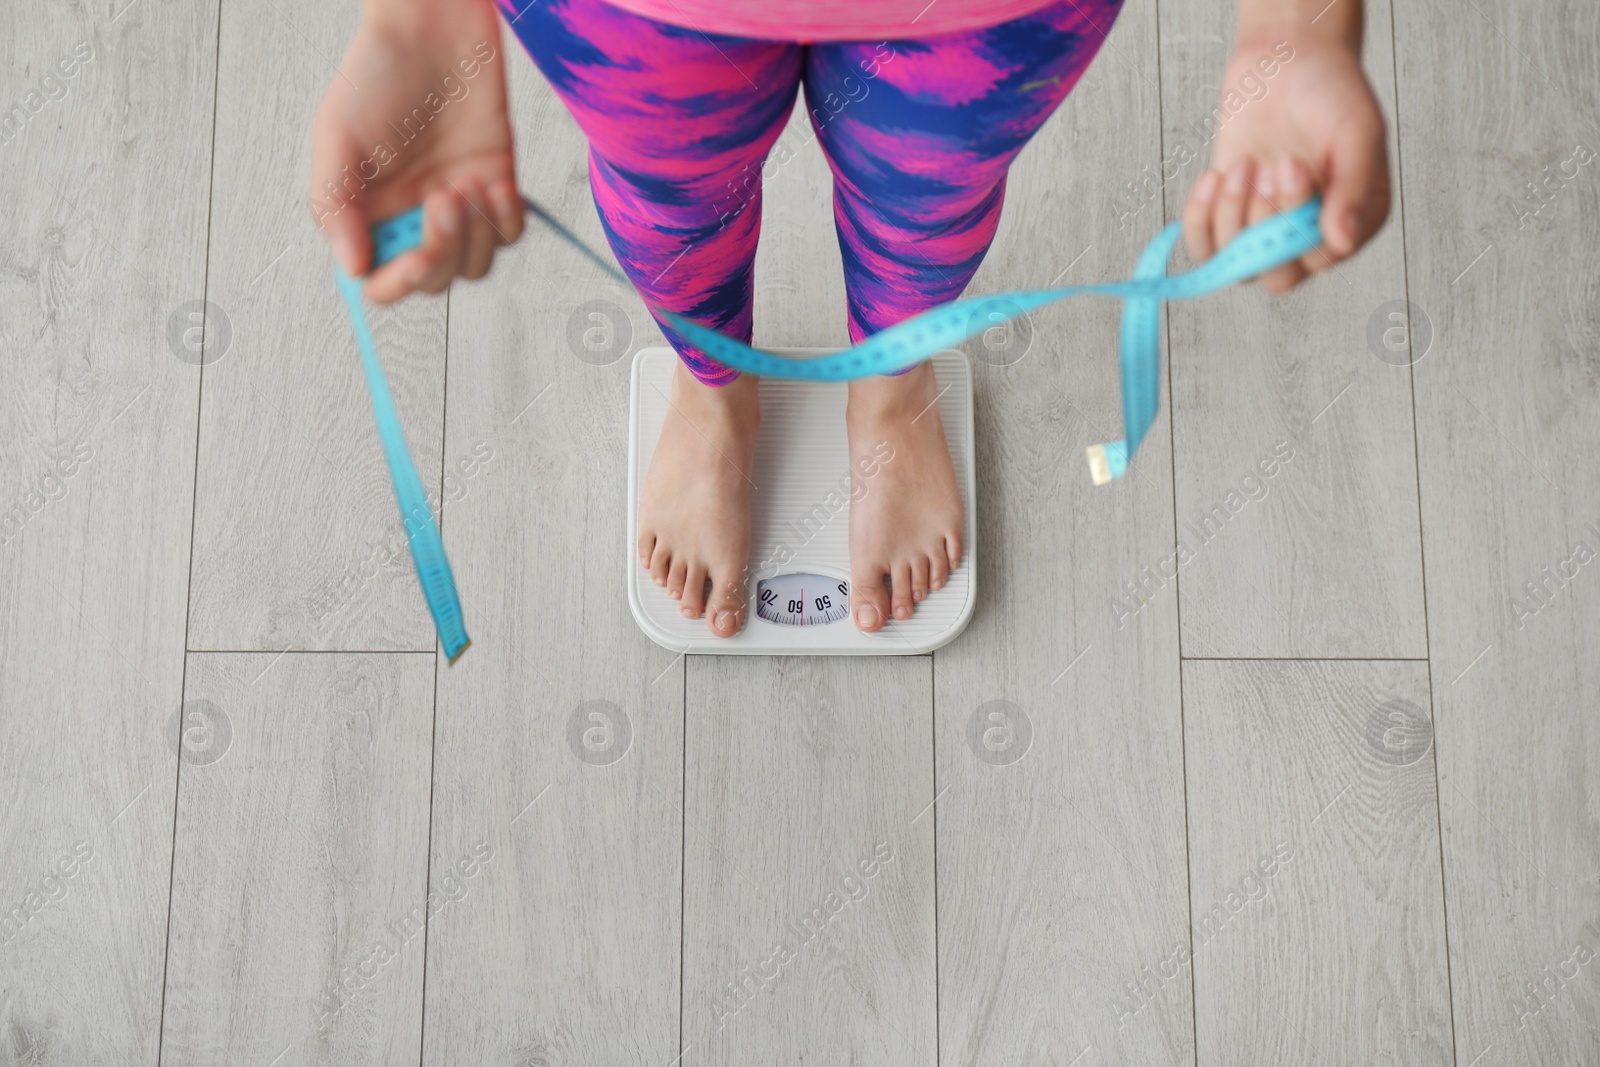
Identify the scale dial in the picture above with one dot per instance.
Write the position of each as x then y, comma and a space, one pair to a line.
802, 599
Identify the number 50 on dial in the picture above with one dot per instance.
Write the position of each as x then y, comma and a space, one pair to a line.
802, 599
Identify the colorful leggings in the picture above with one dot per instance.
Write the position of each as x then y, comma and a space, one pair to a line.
919, 135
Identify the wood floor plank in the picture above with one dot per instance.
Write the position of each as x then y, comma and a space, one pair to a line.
1318, 929
1297, 488
298, 540
1059, 737
560, 730
105, 145
562, 769
808, 873
1498, 128
300, 885
785, 806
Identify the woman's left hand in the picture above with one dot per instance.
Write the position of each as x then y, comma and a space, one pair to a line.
1316, 126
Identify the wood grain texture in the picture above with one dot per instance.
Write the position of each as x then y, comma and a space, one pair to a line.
808, 873
567, 748
1318, 929
300, 885
1060, 828
1321, 556
799, 772
105, 119
298, 540
559, 733
1501, 229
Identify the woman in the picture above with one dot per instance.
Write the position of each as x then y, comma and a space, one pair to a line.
919, 107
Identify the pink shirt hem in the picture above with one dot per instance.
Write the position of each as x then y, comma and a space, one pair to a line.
832, 20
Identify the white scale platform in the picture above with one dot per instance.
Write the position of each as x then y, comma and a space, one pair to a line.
800, 518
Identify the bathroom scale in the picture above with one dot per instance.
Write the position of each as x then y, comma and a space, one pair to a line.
797, 582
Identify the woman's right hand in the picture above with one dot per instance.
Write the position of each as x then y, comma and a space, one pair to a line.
416, 113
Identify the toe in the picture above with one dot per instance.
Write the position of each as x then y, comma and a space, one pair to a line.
952, 547
726, 611
660, 564
675, 577
938, 569
870, 601
694, 591
646, 545
919, 579
901, 583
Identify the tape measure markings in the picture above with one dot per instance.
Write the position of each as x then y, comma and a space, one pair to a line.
422, 533
1268, 244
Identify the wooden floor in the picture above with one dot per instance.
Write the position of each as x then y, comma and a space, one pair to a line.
1328, 793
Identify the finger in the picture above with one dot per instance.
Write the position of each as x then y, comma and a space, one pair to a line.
1227, 216
445, 240
1259, 204
1356, 198
1281, 185
1296, 187
430, 266
337, 209
480, 239
506, 207
1285, 277
1197, 216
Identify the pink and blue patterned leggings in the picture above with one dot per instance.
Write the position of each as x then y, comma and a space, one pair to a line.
919, 135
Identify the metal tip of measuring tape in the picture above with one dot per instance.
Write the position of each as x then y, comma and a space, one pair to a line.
1108, 462
452, 657
1099, 469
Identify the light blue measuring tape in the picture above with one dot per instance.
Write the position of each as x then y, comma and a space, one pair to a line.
1268, 244
427, 550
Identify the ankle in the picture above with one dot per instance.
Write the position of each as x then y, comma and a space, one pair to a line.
896, 397
737, 401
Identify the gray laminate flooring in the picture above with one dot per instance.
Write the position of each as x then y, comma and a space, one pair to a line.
1327, 794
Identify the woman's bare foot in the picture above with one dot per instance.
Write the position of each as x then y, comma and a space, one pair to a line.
908, 522
694, 517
